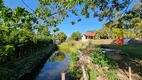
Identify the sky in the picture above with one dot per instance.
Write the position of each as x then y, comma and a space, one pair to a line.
66, 27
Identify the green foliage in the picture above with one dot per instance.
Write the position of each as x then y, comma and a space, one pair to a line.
74, 71
70, 46
73, 56
60, 56
56, 14
72, 22
43, 30
129, 23
76, 36
11, 52
115, 33
112, 74
102, 66
7, 74
118, 33
20, 33
100, 59
16, 68
61, 36
132, 49
104, 33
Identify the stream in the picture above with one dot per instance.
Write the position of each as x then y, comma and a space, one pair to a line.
50, 69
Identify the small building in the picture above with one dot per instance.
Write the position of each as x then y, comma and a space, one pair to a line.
88, 36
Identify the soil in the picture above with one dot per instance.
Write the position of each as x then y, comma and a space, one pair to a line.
123, 70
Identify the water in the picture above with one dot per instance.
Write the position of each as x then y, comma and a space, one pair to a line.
51, 69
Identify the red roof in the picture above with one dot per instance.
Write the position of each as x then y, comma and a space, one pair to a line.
89, 34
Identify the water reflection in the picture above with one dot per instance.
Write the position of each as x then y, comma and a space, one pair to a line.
57, 57
52, 69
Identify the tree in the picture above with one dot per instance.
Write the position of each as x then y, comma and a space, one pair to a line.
129, 24
76, 36
18, 33
43, 30
131, 19
61, 36
104, 33
53, 12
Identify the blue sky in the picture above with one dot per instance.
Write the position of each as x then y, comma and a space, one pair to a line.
83, 26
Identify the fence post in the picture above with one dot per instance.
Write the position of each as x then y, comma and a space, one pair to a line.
63, 76
130, 73
84, 73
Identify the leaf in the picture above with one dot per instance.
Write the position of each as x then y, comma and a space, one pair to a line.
5, 19
75, 12
79, 20
73, 23
47, 2
87, 15
23, 20
7, 24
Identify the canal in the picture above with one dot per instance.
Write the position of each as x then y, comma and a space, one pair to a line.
50, 69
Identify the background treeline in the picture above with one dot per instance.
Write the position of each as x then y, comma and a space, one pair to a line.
128, 25
115, 33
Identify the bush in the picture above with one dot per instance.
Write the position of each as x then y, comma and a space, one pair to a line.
6, 73
11, 52
100, 59
74, 71
18, 67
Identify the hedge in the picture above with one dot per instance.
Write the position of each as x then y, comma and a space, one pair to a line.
16, 69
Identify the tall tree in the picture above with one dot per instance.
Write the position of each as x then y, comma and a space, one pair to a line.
43, 30
61, 36
76, 36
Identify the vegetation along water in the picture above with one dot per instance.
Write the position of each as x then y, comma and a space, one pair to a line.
85, 39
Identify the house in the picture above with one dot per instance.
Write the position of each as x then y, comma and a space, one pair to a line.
88, 36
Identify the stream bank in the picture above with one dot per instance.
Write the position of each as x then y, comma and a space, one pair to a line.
50, 69
18, 68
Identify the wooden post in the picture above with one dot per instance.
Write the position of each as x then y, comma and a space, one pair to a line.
130, 73
84, 73
63, 76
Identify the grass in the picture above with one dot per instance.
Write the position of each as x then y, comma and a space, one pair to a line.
133, 51
71, 46
133, 59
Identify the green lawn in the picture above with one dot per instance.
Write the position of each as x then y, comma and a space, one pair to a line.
134, 51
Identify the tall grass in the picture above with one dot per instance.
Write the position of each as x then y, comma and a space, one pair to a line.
71, 46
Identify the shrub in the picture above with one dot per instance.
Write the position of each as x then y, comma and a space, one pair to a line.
18, 67
74, 71
100, 59
10, 52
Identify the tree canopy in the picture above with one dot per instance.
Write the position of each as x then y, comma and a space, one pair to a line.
61, 36
131, 19
20, 33
129, 23
53, 12
76, 36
